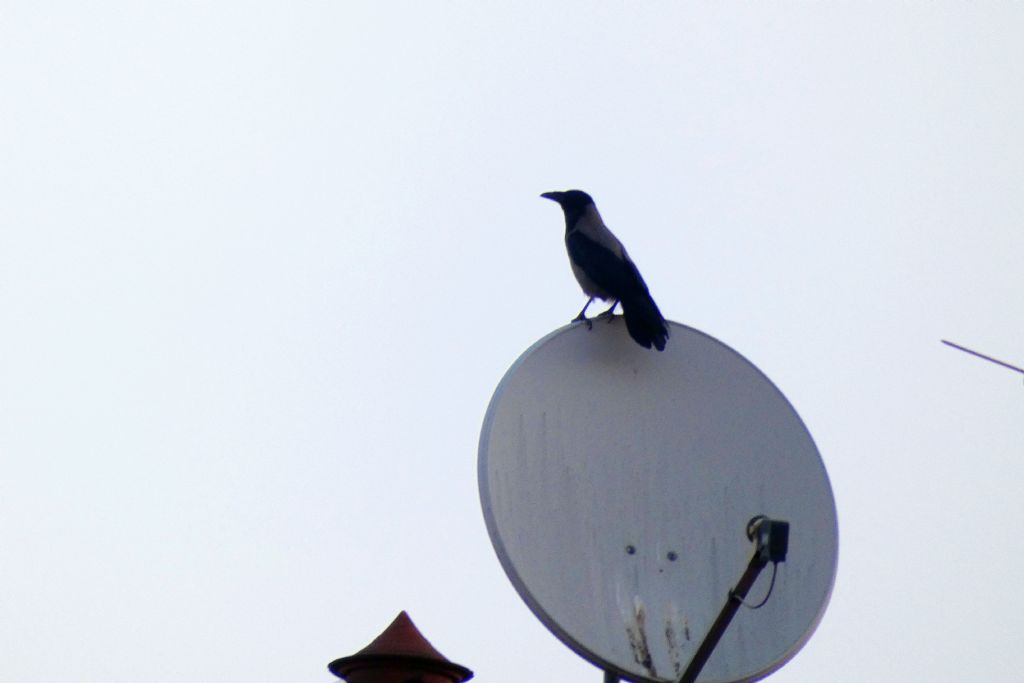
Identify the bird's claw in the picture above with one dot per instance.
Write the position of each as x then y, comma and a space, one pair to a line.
583, 319
610, 312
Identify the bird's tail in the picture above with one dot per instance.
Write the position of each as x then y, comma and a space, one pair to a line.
644, 321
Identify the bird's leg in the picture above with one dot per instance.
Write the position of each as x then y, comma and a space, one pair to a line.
610, 313
583, 315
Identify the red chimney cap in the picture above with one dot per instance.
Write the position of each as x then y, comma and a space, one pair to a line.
401, 645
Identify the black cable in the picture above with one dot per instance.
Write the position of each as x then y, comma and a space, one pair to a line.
775, 569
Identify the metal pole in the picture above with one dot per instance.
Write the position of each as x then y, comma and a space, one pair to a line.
735, 599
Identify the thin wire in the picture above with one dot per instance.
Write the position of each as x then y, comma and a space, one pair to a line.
775, 569
981, 355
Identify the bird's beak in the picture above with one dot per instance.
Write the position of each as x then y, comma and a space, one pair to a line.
554, 196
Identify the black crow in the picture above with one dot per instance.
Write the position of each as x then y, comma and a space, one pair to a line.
604, 269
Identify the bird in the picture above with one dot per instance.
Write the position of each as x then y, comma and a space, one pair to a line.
605, 271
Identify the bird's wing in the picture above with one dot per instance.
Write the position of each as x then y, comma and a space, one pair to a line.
617, 276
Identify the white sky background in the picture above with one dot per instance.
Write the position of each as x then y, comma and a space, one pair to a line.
262, 265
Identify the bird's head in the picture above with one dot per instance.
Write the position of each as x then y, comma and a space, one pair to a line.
570, 200
575, 204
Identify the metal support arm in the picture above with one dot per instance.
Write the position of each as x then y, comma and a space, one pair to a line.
771, 540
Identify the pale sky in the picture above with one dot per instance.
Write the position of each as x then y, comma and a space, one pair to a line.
262, 266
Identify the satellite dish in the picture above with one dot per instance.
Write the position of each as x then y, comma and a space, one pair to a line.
617, 485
